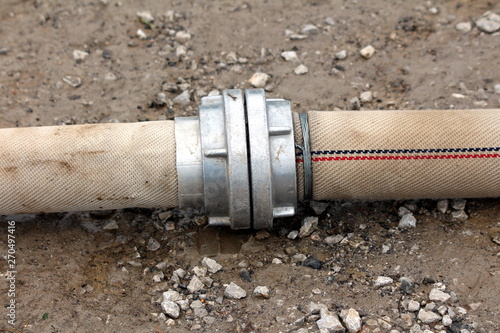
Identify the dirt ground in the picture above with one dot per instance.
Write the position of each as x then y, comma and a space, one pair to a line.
74, 276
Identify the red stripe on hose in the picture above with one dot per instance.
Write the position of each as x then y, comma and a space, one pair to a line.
397, 157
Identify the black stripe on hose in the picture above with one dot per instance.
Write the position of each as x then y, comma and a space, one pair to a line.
402, 151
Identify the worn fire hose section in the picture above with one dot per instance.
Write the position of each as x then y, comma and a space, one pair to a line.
87, 167
379, 155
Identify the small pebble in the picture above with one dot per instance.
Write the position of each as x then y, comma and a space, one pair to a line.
234, 291
464, 27
341, 55
73, 81
261, 292
438, 295
407, 221
211, 265
182, 36
329, 322
318, 207
497, 89
290, 56
332, 240
183, 99
293, 234
309, 225
111, 225
407, 285
312, 262
459, 215
366, 97
442, 206
447, 321
330, 21
195, 284
382, 281
458, 204
141, 34
367, 52
145, 17
352, 321
171, 295
413, 306
259, 80
80, 55
277, 261
402, 211
489, 22
171, 309
300, 70
428, 317
4, 50
153, 244
310, 29
110, 77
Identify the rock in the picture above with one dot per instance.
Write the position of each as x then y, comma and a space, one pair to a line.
182, 36
145, 17
299, 257
171, 309
183, 304
438, 295
294, 36
341, 55
382, 281
355, 103
413, 306
428, 317
497, 88
332, 240
234, 291
183, 99
352, 321
211, 265
195, 284
366, 97
329, 322
153, 244
80, 55
300, 70
447, 321
434, 10
181, 51
310, 29
312, 262
293, 234
407, 320
171, 295
330, 21
289, 56
459, 215
407, 221
73, 81
407, 285
180, 273
489, 22
442, 206
277, 261
110, 77
4, 50
141, 34
458, 204
367, 52
245, 275
402, 211
259, 80
200, 271
309, 225
111, 225
262, 234
318, 207
261, 291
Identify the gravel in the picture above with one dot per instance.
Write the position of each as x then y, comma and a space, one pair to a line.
234, 291
428, 317
301, 70
310, 29
382, 281
413, 306
171, 309
261, 292
489, 22
111, 225
442, 206
458, 204
211, 265
259, 80
183, 99
73, 81
79, 55
329, 322
341, 55
293, 234
459, 215
438, 295
195, 284
352, 321
309, 225
407, 221
171, 295
464, 27
367, 52
366, 97
290, 56
153, 244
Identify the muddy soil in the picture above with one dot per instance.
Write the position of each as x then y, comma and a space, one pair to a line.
75, 276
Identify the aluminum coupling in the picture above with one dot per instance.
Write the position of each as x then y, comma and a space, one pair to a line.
237, 159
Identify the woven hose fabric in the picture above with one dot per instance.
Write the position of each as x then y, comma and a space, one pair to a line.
87, 167
379, 155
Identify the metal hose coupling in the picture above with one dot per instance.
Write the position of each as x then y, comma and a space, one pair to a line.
237, 159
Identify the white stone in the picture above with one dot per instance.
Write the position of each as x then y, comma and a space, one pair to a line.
341, 55
367, 52
366, 97
428, 317
259, 80
183, 99
290, 56
310, 29
459, 215
293, 234
447, 320
277, 261
332, 240
80, 55
407, 221
182, 36
458, 204
329, 322
146, 17
489, 22
438, 295
464, 27
497, 89
111, 225
413, 306
352, 321
171, 295
442, 206
261, 291
73, 81
234, 291
141, 34
110, 77
212, 265
382, 281
171, 309
300, 70
153, 244
200, 271
309, 225
195, 284
330, 21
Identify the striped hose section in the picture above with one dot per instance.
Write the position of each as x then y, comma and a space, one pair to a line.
378, 155
87, 167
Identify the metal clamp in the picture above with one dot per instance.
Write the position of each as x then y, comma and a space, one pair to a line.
237, 185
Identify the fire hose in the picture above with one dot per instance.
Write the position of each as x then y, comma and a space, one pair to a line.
247, 160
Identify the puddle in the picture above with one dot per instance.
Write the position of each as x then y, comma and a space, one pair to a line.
213, 241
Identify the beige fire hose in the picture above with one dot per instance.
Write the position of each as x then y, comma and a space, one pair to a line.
370, 155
